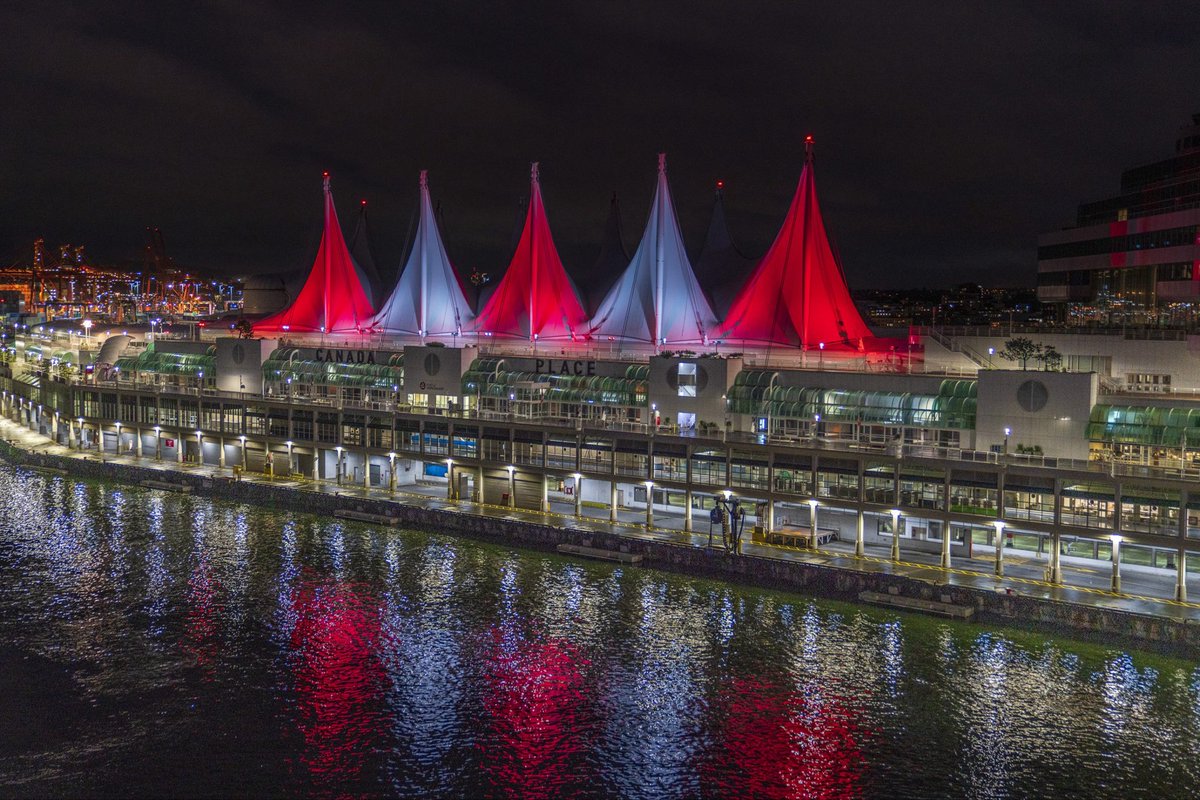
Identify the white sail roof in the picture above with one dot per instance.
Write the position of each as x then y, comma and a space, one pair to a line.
428, 299
657, 299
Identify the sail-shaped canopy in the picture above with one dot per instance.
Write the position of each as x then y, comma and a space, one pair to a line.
535, 298
333, 299
428, 299
364, 257
721, 268
797, 296
657, 299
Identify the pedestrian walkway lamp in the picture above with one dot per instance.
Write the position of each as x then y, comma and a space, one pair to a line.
391, 472
157, 443
338, 466
895, 534
1007, 433
199, 447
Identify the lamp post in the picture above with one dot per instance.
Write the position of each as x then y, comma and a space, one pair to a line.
391, 472
290, 444
512, 486
87, 329
337, 472
649, 504
1007, 433
450, 493
578, 494
895, 534
157, 443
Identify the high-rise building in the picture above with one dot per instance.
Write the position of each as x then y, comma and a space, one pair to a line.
1134, 257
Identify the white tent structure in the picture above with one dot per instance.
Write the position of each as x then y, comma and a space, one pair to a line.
657, 300
428, 299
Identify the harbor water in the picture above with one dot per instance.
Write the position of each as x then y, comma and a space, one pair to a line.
158, 644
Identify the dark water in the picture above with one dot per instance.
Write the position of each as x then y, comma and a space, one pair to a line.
161, 645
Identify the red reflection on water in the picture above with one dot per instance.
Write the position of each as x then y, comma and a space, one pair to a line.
534, 693
778, 743
201, 636
338, 679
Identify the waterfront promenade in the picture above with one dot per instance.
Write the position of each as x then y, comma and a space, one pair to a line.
1024, 570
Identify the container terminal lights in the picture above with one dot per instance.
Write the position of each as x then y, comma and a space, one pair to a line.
656, 403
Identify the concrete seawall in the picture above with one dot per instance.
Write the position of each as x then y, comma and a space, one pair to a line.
815, 579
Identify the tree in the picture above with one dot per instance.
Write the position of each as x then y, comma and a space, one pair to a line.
243, 328
1021, 350
1051, 359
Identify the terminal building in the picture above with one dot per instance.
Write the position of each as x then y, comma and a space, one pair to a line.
829, 436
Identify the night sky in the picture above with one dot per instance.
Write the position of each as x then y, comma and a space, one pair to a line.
948, 134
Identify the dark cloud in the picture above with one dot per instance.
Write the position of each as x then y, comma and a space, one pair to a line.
949, 134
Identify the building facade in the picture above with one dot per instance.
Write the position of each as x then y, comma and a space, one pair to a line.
1133, 257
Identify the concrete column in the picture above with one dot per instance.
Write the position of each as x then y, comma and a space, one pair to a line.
687, 511
512, 488
451, 485
316, 473
896, 536
180, 443
612, 504
546, 492
392, 473
1055, 574
1116, 564
770, 515
1056, 537
1181, 576
138, 433
945, 563
579, 497
812, 525
479, 486
366, 470
999, 551
649, 507
859, 527
1181, 567
221, 452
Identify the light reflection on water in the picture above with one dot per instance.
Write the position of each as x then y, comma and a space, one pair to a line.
168, 645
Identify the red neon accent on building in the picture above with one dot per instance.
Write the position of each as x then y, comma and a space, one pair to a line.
797, 295
333, 299
535, 297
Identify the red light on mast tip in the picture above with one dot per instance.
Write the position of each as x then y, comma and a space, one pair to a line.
720, 184
808, 138
364, 202
325, 174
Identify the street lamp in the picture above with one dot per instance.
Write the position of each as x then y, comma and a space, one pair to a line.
87, 327
1007, 433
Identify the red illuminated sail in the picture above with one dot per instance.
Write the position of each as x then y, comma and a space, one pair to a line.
797, 296
334, 298
535, 298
